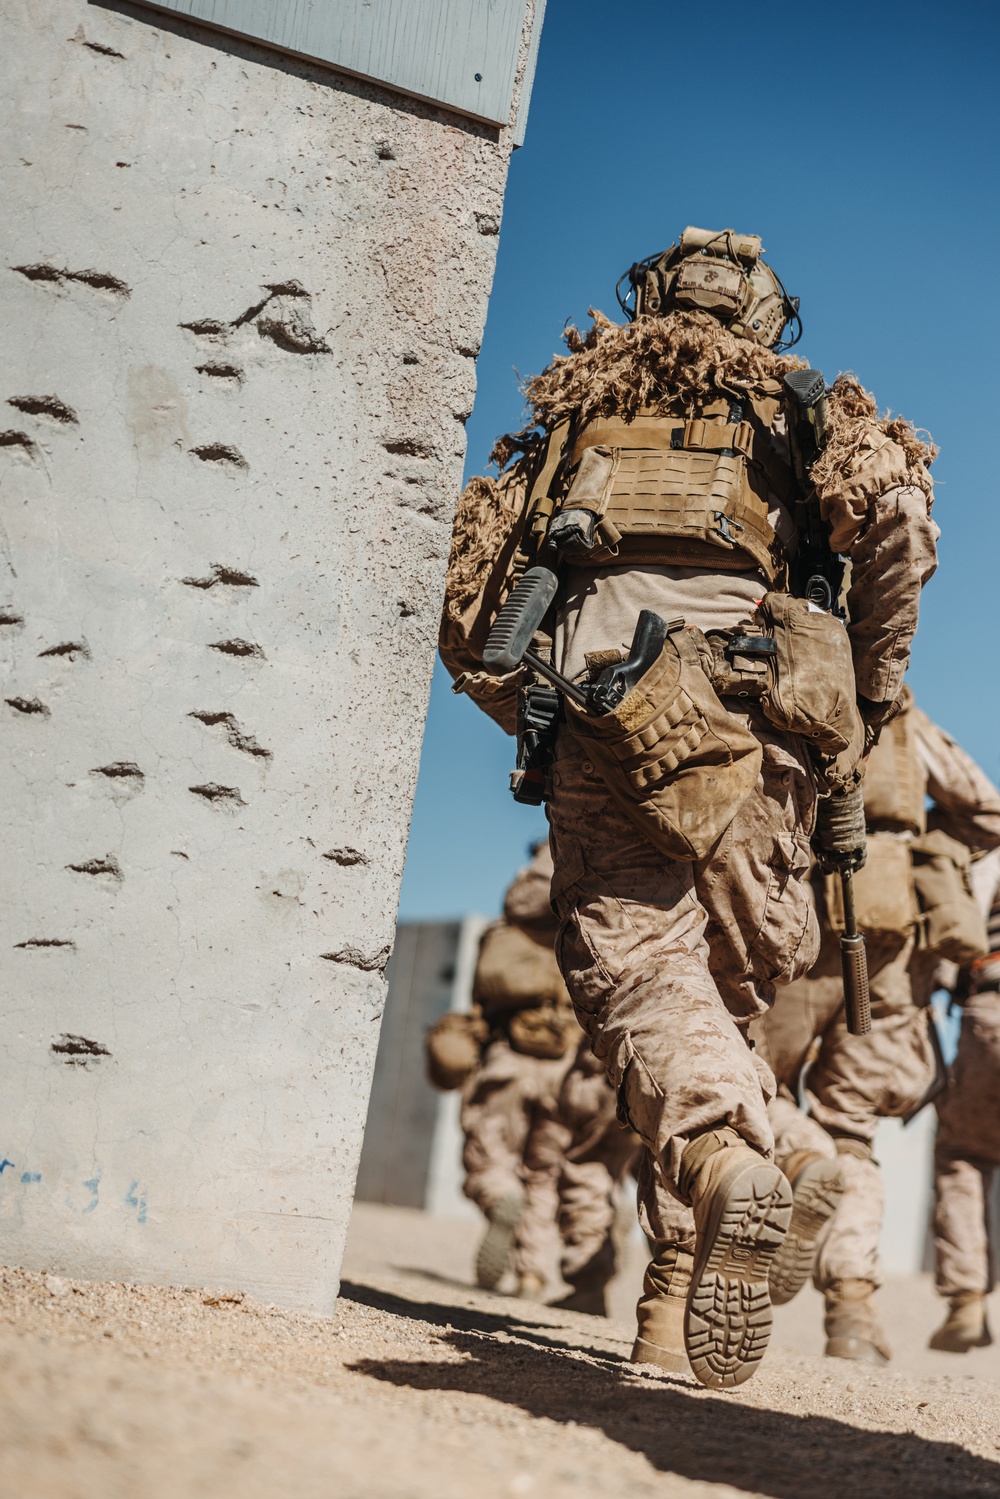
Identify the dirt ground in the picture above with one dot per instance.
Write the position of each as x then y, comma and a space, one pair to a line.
420, 1387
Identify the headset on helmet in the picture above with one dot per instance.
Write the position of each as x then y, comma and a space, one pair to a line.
718, 273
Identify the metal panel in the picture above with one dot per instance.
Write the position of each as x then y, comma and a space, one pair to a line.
462, 53
529, 74
399, 1132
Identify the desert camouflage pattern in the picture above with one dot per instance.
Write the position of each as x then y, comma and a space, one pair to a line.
601, 1153
514, 1145
967, 1150
854, 1081
667, 960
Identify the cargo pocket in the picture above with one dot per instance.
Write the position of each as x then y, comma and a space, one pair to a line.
671, 755
787, 940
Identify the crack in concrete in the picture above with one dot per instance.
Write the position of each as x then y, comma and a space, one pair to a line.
234, 647
346, 857
230, 576
220, 452
70, 648
119, 769
27, 705
355, 958
235, 734
98, 280
108, 865
219, 795
45, 406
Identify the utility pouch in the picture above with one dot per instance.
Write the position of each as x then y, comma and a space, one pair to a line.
546, 1033
672, 756
812, 690
516, 970
741, 661
954, 926
453, 1048
884, 895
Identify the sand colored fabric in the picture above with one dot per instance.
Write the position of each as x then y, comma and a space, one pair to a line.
848, 1246
514, 1142
600, 1154
967, 1152
966, 802
854, 1081
891, 560
527, 902
657, 996
857, 1080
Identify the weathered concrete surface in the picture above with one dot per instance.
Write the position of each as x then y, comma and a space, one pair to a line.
243, 300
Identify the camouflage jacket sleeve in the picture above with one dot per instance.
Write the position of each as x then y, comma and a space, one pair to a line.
965, 798
892, 557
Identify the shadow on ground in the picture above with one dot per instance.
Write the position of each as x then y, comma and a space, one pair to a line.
680, 1430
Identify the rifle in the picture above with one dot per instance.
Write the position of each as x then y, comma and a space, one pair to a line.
818, 571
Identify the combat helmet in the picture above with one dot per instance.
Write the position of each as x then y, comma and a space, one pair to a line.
721, 273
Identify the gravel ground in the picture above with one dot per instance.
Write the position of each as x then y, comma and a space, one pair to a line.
420, 1387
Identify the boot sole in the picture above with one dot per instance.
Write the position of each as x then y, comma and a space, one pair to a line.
728, 1320
644, 1352
494, 1252
817, 1191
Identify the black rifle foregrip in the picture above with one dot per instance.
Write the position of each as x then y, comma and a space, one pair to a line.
857, 999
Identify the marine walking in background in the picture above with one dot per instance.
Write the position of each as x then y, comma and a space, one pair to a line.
517, 1048
600, 1155
967, 1149
650, 593
915, 903
544, 1151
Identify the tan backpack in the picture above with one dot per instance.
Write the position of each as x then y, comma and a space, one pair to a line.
516, 970
453, 1049
493, 542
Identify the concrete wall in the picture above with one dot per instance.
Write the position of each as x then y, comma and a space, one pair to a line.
412, 1154
242, 304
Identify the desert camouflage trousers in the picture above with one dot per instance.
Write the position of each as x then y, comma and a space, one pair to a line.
667, 961
967, 1153
514, 1145
601, 1153
852, 1083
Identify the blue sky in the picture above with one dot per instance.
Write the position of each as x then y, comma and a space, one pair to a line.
861, 142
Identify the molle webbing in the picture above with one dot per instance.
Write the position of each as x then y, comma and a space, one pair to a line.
677, 492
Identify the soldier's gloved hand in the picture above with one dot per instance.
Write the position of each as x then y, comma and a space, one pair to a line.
839, 839
572, 532
875, 716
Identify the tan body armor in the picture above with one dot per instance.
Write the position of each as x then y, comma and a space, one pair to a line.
686, 491
914, 878
895, 784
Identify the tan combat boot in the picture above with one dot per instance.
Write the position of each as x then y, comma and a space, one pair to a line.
852, 1326
588, 1294
817, 1184
660, 1311
742, 1207
530, 1287
494, 1252
965, 1326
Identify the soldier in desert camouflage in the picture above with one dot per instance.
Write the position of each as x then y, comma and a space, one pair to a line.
915, 902
666, 478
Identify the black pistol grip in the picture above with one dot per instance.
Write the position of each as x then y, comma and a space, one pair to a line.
616, 682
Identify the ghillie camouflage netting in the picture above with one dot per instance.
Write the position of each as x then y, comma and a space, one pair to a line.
681, 361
